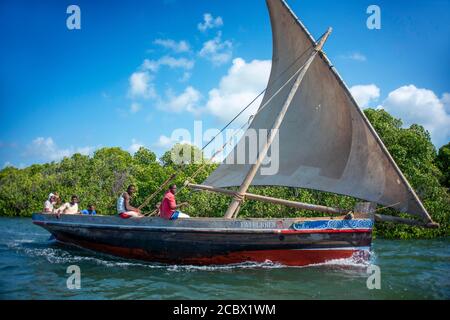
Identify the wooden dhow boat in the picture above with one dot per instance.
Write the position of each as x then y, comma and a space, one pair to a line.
325, 143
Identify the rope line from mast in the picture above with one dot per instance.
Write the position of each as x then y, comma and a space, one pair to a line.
248, 123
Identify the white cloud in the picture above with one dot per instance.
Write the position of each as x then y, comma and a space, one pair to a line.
446, 101
141, 85
356, 56
171, 62
209, 22
105, 95
186, 101
365, 94
178, 47
135, 107
243, 82
165, 142
7, 164
135, 146
85, 151
217, 51
186, 76
47, 150
421, 106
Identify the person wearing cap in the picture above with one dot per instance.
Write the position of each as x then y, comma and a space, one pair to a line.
50, 203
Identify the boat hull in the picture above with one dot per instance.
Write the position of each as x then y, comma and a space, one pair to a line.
203, 241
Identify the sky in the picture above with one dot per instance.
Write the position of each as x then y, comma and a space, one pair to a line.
146, 73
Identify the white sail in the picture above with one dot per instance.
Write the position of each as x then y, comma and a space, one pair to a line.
325, 142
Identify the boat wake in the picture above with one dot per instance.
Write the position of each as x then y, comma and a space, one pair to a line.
348, 263
56, 253
244, 265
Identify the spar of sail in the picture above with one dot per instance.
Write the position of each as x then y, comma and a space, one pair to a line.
326, 142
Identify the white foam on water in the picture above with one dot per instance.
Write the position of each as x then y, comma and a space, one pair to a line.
52, 255
61, 256
244, 265
355, 261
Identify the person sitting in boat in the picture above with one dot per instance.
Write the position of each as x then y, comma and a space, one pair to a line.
124, 209
89, 211
69, 207
168, 209
49, 205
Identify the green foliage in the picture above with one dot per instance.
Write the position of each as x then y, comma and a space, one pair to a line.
101, 178
416, 156
443, 163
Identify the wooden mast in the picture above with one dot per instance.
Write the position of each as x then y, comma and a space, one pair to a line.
236, 203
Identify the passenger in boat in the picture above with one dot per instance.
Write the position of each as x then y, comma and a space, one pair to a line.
69, 207
58, 198
124, 209
89, 211
168, 209
49, 205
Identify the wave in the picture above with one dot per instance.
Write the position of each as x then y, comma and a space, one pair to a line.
55, 253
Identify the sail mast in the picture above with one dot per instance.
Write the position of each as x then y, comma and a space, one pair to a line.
236, 203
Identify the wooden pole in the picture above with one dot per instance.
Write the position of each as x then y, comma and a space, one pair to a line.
235, 204
371, 208
385, 218
292, 204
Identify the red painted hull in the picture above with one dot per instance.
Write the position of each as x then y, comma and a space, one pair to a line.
288, 257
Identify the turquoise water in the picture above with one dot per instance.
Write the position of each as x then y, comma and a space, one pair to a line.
31, 267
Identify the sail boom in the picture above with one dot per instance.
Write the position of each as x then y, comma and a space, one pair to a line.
409, 222
287, 203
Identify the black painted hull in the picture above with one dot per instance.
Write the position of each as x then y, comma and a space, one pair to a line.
205, 241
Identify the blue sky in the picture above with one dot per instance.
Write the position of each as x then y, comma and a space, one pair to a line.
138, 70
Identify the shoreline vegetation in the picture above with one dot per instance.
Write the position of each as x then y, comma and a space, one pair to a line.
100, 178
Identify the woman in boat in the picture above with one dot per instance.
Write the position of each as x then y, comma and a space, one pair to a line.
124, 209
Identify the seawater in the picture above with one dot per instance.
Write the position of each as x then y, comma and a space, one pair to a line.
34, 267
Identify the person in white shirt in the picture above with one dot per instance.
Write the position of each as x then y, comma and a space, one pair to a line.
50, 203
69, 207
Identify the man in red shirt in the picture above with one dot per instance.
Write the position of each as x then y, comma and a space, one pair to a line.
168, 209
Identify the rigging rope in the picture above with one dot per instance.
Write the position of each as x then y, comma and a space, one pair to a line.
204, 164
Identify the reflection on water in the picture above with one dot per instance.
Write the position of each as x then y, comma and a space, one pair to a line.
34, 267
